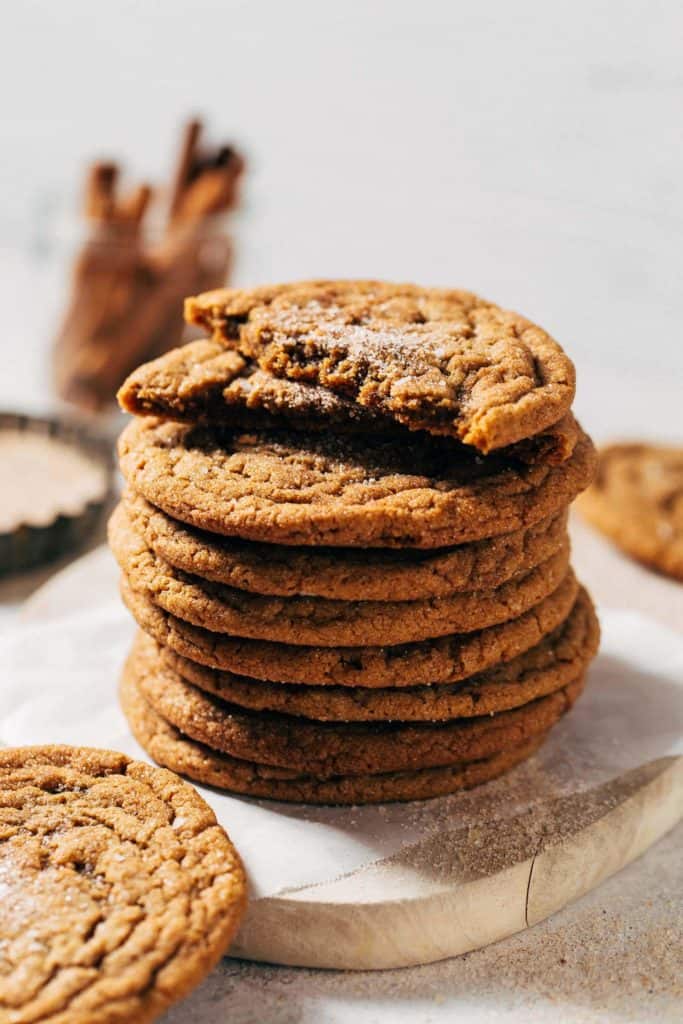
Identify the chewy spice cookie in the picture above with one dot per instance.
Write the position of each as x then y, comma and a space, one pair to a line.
205, 382
120, 891
341, 491
434, 359
441, 660
324, 749
172, 748
549, 666
344, 537
637, 501
348, 574
304, 620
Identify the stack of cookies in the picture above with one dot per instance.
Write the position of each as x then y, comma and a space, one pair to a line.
344, 539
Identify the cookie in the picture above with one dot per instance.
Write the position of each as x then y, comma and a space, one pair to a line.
327, 623
326, 748
443, 660
205, 382
120, 891
348, 574
637, 501
434, 359
555, 661
170, 747
317, 489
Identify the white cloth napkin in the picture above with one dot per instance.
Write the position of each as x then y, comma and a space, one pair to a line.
58, 682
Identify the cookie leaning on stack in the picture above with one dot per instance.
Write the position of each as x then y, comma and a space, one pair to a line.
344, 536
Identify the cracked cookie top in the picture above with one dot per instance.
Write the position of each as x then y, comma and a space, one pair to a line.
433, 359
348, 490
119, 889
350, 574
637, 501
205, 382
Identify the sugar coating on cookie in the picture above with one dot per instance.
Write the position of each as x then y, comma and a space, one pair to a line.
120, 891
205, 382
437, 359
314, 489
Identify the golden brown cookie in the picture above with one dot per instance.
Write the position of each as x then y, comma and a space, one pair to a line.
205, 382
539, 671
327, 623
637, 500
443, 660
342, 491
170, 747
119, 890
348, 574
324, 749
434, 359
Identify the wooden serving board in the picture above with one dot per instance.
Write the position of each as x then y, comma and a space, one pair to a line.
401, 911
372, 888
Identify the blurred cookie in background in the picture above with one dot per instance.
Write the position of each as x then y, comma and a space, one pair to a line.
637, 501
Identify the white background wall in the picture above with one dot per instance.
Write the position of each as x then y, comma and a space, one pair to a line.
530, 150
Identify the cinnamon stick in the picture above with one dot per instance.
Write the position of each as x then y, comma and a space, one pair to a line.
186, 161
127, 294
100, 189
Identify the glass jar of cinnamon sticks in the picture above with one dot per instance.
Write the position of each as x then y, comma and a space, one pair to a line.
144, 251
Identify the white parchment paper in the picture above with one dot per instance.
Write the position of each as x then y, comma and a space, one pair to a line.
58, 682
